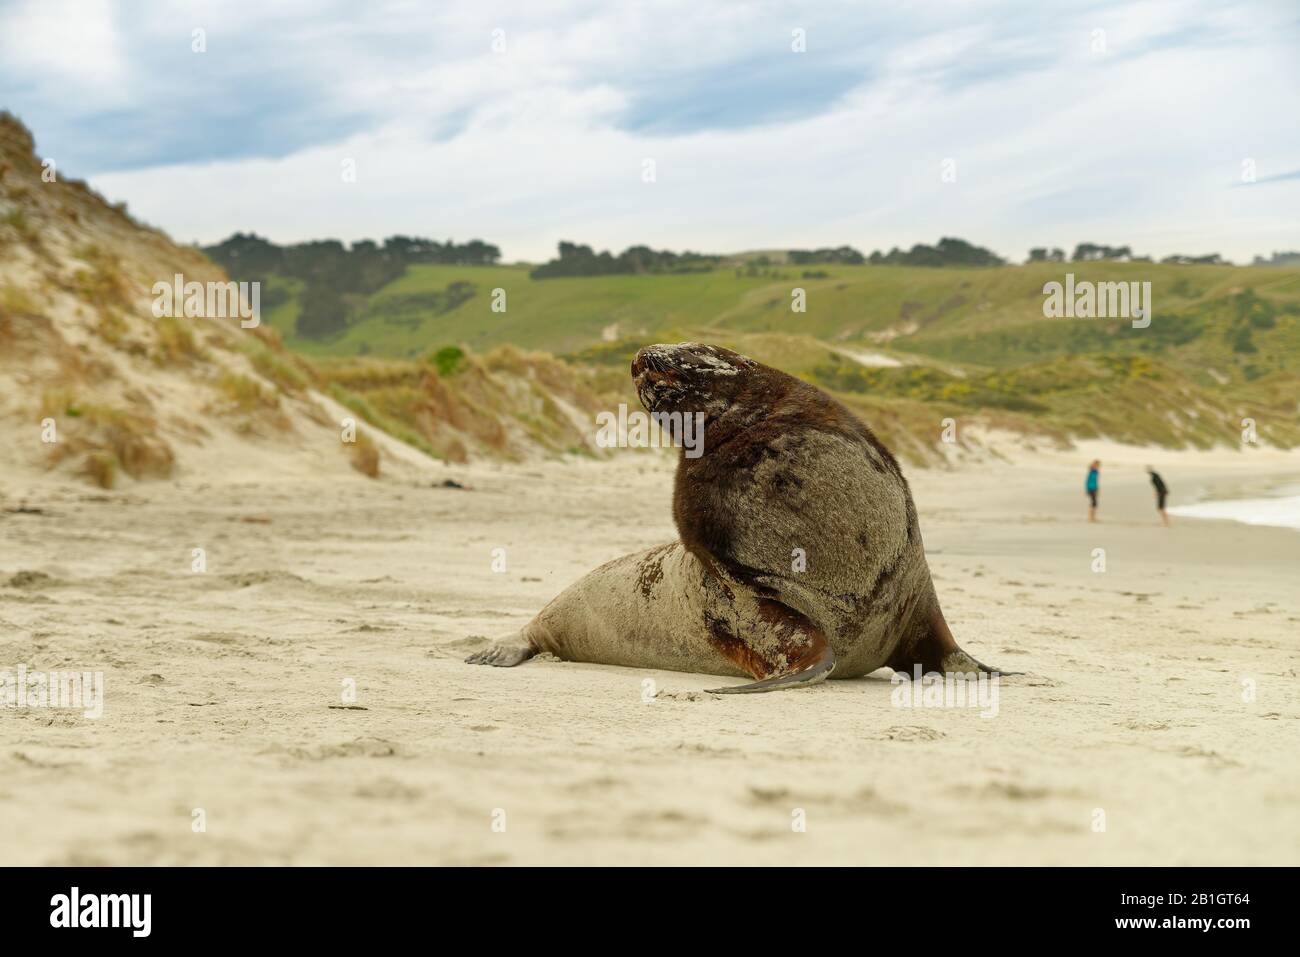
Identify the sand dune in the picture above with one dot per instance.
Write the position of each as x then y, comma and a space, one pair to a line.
225, 688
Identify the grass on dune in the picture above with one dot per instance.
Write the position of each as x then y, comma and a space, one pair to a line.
110, 439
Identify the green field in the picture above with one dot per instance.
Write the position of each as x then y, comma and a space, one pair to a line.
555, 315
987, 316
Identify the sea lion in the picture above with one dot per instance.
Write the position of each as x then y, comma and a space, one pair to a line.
800, 555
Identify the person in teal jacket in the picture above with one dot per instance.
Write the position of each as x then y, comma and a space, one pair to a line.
1090, 487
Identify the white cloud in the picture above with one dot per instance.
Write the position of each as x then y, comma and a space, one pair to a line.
72, 42
1054, 144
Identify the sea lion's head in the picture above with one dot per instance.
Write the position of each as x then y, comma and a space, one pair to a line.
691, 377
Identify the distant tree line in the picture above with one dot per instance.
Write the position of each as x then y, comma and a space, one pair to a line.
842, 255
1097, 252
1213, 259
416, 250
1278, 259
578, 260
336, 277
946, 252
1090, 252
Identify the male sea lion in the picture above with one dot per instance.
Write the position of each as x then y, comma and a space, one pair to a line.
800, 555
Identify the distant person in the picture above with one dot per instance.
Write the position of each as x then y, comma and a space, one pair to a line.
1162, 493
1090, 486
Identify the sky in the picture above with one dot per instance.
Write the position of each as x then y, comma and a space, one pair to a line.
1171, 126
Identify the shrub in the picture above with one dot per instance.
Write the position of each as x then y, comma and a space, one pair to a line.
448, 360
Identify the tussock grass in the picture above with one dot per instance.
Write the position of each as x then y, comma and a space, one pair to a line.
504, 405
362, 374
18, 221
109, 439
101, 468
16, 301
251, 407
174, 342
364, 455
289, 372
246, 395
395, 427
112, 327
102, 283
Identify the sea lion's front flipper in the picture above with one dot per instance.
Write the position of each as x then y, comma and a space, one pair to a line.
936, 650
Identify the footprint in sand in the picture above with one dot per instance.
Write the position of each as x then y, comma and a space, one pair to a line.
1134, 725
681, 696
909, 733
28, 580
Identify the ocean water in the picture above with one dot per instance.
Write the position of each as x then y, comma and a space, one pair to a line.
1281, 509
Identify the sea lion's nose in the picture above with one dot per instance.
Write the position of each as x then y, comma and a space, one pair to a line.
647, 358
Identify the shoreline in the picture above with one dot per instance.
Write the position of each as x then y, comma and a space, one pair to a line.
1279, 511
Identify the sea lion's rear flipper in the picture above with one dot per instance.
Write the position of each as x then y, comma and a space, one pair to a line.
817, 667
936, 650
771, 641
504, 654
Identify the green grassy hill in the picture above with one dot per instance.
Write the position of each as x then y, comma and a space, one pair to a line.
985, 316
407, 317
1223, 344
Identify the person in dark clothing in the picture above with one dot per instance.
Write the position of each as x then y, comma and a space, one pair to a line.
1162, 493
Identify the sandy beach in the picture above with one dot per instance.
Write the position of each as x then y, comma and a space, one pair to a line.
226, 690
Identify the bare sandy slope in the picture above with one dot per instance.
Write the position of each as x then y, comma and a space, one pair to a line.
224, 688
